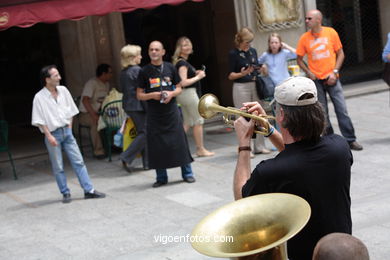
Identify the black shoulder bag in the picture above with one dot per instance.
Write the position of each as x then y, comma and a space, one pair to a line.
265, 87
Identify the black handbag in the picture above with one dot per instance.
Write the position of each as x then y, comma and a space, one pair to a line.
260, 85
265, 87
386, 74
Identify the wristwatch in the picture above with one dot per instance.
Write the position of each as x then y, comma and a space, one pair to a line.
336, 71
244, 148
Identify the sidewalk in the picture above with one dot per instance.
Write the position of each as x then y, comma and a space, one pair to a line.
134, 220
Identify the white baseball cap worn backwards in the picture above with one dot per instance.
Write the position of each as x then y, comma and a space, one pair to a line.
290, 91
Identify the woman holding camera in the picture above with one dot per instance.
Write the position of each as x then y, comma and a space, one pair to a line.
243, 68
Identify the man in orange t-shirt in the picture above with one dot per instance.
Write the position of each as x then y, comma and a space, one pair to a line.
325, 56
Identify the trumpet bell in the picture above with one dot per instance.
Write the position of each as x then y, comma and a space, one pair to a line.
251, 226
205, 103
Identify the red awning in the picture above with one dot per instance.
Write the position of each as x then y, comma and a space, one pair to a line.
29, 12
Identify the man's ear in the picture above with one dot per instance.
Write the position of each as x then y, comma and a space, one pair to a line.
163, 52
281, 115
281, 111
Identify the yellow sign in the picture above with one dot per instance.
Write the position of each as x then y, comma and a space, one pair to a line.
294, 70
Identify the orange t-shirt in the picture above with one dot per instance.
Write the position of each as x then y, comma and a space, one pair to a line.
321, 51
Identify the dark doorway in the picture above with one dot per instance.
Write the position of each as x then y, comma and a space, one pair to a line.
23, 51
201, 22
357, 22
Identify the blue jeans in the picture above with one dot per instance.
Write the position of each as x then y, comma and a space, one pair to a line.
336, 95
67, 142
162, 176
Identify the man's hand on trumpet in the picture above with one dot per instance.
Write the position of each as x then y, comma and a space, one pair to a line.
254, 108
244, 131
244, 128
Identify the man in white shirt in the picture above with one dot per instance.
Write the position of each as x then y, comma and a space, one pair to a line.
53, 110
94, 92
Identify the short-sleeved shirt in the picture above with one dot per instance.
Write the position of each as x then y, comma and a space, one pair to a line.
129, 82
191, 72
239, 59
97, 90
153, 78
319, 173
51, 112
321, 51
277, 64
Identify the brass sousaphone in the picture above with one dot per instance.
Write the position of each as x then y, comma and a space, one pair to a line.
209, 106
255, 227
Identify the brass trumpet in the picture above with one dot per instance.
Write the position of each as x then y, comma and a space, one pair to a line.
209, 106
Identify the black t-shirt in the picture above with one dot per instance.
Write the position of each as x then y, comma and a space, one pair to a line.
191, 72
239, 59
320, 173
157, 78
128, 82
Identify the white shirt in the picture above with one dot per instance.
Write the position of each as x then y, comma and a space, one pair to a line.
51, 112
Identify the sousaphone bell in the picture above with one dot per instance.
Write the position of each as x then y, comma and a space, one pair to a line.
255, 227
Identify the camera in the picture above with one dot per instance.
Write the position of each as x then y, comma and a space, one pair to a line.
256, 66
164, 96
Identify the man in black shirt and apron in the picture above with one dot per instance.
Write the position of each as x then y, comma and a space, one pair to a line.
167, 144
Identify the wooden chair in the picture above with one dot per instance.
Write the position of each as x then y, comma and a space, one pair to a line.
4, 144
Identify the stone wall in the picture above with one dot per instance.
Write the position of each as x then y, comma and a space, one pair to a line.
384, 12
246, 16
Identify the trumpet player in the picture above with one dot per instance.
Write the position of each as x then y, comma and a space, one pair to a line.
310, 165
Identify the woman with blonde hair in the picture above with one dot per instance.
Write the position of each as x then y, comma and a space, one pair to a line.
243, 69
188, 99
134, 108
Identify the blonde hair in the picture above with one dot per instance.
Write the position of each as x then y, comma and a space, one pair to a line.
179, 42
128, 54
245, 34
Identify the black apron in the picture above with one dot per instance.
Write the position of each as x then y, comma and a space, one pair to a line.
166, 139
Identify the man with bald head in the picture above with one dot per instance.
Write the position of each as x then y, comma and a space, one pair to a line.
325, 56
167, 146
340, 246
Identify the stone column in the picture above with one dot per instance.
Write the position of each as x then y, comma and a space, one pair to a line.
117, 41
384, 12
78, 52
87, 43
